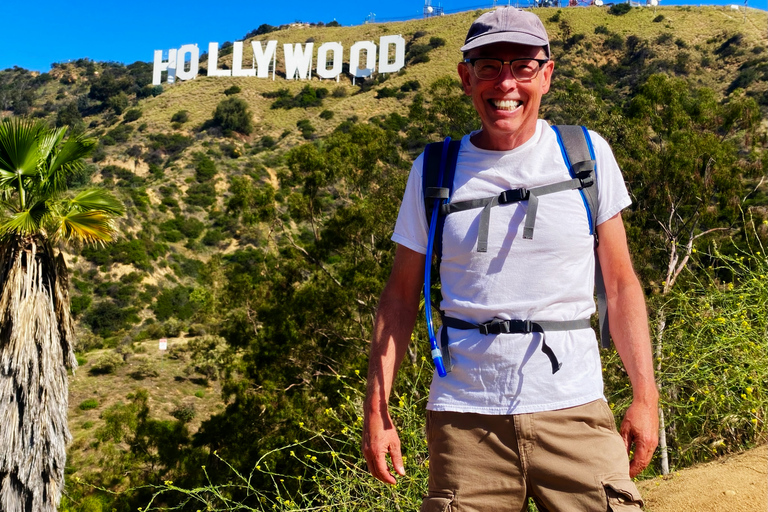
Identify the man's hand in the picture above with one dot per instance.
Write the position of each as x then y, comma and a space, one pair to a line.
379, 440
640, 429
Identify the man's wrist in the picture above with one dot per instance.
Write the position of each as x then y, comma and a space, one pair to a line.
648, 395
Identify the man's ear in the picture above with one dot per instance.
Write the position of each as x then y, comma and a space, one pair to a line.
546, 72
465, 76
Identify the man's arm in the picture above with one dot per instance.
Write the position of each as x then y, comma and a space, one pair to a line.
629, 330
395, 317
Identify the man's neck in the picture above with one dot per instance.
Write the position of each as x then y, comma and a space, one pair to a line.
495, 142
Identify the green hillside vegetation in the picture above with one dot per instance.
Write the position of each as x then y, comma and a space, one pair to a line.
257, 240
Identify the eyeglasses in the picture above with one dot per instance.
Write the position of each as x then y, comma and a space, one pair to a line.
524, 70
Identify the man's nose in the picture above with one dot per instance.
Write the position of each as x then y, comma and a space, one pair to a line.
506, 79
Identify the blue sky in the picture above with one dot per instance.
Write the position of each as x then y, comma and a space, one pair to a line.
46, 31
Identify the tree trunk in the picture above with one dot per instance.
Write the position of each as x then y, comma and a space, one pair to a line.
664, 452
36, 348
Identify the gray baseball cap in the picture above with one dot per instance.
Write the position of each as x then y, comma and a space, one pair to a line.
507, 25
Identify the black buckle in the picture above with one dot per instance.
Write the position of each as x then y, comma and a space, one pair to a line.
586, 178
513, 196
499, 326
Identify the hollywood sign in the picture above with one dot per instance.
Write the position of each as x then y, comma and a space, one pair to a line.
184, 63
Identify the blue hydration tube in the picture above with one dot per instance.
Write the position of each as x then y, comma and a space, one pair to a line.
437, 355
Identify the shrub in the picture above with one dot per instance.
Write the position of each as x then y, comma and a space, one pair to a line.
87, 405
232, 114
410, 85
619, 9
306, 128
184, 413
107, 318
201, 194
182, 116
436, 42
387, 92
69, 116
132, 115
144, 370
268, 141
232, 90
326, 114
614, 41
205, 169
107, 363
172, 144
340, 92
659, 18
173, 302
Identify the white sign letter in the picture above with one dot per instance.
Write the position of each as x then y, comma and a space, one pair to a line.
370, 59
237, 62
384, 43
298, 60
263, 57
160, 66
194, 61
322, 60
213, 61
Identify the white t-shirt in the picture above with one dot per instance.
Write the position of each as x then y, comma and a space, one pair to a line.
550, 277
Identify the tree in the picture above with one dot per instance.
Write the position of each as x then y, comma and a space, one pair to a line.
36, 336
232, 114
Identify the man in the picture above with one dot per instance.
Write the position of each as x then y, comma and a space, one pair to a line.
506, 424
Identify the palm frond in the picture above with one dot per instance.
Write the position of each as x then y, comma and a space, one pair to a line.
95, 199
19, 147
25, 222
67, 160
88, 227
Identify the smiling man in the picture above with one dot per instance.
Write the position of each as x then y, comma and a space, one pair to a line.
522, 413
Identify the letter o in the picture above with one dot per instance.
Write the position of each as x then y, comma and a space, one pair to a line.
370, 59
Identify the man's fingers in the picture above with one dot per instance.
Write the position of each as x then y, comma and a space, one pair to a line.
397, 460
380, 470
626, 435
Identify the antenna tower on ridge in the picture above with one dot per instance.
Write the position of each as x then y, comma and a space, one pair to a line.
430, 10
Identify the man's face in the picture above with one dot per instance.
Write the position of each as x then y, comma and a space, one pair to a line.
508, 109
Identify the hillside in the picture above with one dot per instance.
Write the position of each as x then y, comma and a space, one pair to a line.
257, 238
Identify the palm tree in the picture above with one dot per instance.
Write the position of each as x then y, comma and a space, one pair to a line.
37, 216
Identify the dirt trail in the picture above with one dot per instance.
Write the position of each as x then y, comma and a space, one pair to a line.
735, 483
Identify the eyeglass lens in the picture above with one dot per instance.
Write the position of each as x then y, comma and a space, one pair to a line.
522, 69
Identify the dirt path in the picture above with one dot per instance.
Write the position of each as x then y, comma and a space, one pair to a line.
735, 483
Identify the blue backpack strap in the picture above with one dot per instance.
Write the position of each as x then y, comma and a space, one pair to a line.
439, 168
437, 182
579, 155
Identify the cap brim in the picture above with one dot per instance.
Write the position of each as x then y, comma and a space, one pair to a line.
505, 37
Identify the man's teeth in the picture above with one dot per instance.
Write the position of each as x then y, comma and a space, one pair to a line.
506, 104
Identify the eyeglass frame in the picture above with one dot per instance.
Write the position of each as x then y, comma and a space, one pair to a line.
540, 62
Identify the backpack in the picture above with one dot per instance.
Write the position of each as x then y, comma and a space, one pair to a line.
437, 187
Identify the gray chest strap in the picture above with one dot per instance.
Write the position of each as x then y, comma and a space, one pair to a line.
585, 178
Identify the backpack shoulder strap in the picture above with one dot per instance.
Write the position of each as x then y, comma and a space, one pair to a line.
437, 182
579, 155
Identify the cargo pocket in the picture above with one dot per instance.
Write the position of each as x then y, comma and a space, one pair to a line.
622, 494
439, 501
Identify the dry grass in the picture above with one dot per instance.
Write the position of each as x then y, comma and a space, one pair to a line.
168, 390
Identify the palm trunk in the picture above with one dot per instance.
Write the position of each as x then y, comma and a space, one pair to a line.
35, 351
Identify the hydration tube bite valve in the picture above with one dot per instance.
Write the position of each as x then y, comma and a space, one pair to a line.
437, 355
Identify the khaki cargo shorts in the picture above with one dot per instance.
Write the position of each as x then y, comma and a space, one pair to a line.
570, 460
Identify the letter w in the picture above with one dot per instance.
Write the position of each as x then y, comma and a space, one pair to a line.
298, 61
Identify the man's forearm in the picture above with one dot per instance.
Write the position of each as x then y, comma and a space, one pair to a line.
629, 330
395, 318
392, 333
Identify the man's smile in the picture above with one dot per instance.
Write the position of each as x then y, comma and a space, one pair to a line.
507, 105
